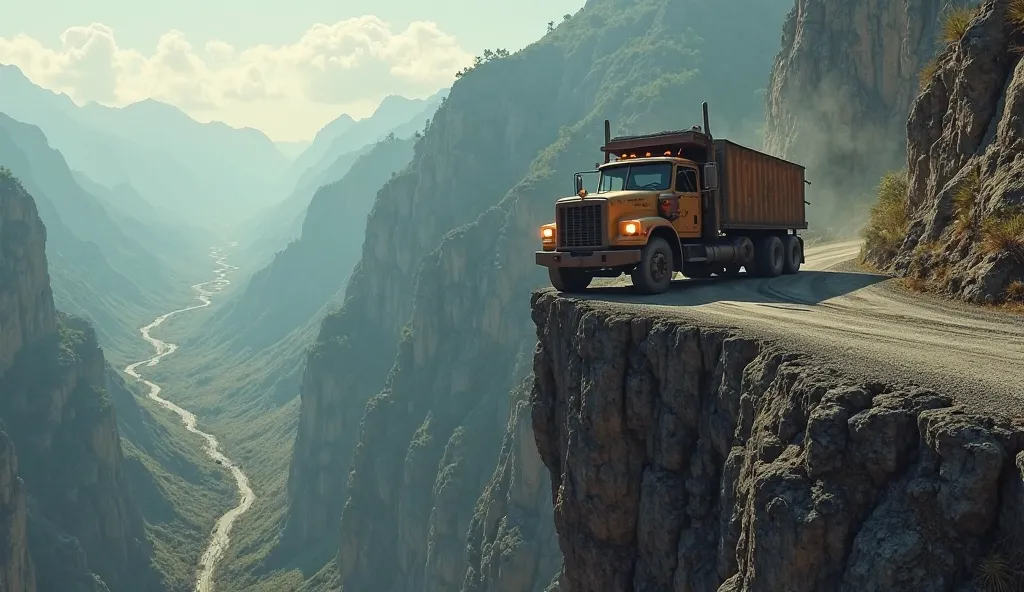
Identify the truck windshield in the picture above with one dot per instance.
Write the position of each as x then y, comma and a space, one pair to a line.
654, 176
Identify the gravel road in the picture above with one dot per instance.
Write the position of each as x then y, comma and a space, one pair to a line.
860, 323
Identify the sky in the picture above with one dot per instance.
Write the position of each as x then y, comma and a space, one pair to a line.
286, 68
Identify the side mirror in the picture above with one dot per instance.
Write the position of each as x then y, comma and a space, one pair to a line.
710, 176
578, 180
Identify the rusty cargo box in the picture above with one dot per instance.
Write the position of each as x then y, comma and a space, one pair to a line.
758, 190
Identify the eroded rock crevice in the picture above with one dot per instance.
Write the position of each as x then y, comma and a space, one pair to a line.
694, 459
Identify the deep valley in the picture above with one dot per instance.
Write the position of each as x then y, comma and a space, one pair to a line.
232, 362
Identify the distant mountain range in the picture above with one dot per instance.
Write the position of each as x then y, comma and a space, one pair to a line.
203, 175
195, 172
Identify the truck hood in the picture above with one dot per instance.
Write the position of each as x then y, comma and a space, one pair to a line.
611, 195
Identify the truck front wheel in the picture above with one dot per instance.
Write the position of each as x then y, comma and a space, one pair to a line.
653, 273
567, 279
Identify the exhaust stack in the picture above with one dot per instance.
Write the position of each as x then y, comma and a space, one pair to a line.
607, 139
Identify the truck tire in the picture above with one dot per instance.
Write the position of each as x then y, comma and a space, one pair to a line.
568, 280
654, 272
769, 257
794, 254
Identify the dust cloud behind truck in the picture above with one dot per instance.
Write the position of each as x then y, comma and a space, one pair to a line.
677, 201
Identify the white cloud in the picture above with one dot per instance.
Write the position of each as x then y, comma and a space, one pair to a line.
353, 62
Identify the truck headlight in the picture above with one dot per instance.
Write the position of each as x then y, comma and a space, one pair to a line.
630, 228
547, 233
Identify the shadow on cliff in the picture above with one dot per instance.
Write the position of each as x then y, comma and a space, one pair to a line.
808, 288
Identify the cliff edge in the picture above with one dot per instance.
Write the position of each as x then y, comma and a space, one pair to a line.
956, 223
694, 458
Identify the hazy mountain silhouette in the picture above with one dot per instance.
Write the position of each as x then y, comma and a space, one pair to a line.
98, 271
199, 172
142, 222
293, 150
340, 143
395, 114
240, 170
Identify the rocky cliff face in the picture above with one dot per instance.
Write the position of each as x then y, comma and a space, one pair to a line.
408, 383
61, 423
17, 574
841, 88
25, 296
965, 199
685, 458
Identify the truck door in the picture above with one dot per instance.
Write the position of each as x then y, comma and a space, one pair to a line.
688, 223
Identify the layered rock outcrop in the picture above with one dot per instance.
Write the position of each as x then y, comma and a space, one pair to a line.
688, 458
965, 201
55, 410
841, 89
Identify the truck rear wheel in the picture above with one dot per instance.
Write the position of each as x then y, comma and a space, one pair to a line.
567, 279
793, 254
769, 257
654, 272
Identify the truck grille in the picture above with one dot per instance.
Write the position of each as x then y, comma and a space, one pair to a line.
580, 226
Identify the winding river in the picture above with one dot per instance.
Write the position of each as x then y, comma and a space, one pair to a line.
220, 538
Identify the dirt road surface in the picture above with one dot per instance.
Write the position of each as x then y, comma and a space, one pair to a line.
861, 323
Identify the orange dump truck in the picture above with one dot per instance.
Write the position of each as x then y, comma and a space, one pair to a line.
677, 201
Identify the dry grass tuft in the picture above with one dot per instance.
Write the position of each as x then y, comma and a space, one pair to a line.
965, 198
1004, 234
1015, 13
956, 21
1015, 292
927, 73
1002, 570
887, 226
